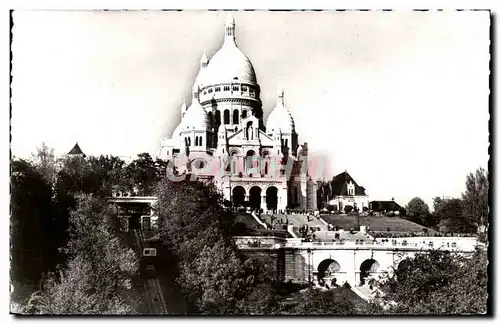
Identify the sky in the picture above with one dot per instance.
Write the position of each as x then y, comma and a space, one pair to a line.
398, 99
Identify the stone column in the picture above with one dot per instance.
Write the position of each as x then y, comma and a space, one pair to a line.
263, 202
282, 199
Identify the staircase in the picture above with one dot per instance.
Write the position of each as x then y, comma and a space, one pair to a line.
366, 293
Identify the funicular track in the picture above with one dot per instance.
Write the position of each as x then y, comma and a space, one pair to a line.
154, 297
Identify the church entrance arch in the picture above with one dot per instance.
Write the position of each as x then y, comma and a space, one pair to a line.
238, 196
367, 268
255, 193
272, 198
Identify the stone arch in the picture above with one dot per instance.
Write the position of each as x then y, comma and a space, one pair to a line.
367, 268
236, 115
234, 151
226, 117
255, 197
238, 196
327, 270
403, 268
272, 198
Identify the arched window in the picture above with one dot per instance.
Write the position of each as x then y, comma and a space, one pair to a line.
200, 141
226, 117
286, 142
217, 89
217, 117
235, 116
244, 88
249, 131
244, 114
236, 88
227, 88
196, 141
210, 118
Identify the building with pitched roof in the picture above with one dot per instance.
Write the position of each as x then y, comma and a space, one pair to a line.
343, 191
76, 151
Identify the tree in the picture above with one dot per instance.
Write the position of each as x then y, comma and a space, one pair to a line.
32, 232
216, 276
105, 174
475, 197
418, 212
196, 234
439, 283
99, 270
450, 215
143, 172
45, 162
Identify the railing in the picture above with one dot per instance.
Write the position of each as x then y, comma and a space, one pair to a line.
464, 244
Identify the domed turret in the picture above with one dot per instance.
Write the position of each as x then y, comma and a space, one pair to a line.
183, 108
280, 118
204, 60
196, 117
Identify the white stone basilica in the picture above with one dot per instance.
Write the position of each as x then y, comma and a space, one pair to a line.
222, 137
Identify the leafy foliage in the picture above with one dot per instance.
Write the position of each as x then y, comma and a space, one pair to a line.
45, 162
338, 301
475, 197
439, 283
215, 278
32, 246
99, 269
452, 216
418, 212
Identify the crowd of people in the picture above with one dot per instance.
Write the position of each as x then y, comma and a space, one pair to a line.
388, 234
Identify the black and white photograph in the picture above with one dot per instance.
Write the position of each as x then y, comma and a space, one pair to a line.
250, 162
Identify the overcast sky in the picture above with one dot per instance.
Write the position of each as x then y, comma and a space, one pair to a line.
399, 99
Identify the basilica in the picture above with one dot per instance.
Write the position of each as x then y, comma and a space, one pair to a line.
222, 137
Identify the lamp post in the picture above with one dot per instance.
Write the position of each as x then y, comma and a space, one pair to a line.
357, 212
309, 265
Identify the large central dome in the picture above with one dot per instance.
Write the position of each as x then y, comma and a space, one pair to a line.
229, 64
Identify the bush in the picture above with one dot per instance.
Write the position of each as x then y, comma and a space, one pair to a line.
346, 285
348, 209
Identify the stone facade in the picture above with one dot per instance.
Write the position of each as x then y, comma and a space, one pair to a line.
222, 137
351, 262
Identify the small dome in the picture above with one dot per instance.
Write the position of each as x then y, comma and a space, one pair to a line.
196, 117
178, 130
280, 118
